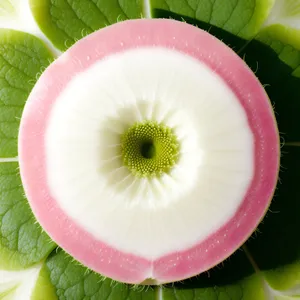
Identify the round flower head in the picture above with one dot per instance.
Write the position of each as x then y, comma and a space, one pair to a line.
149, 151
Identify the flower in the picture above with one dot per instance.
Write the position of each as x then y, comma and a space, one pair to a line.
208, 151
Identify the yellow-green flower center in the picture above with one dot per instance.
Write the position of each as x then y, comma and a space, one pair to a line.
149, 149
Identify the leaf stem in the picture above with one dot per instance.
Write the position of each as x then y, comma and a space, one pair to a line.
9, 159
147, 9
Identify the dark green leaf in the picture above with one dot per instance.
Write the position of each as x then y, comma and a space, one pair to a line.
72, 281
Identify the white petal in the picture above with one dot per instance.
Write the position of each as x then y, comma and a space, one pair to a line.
86, 173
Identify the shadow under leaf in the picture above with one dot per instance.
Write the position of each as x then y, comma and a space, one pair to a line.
278, 244
235, 42
232, 270
282, 87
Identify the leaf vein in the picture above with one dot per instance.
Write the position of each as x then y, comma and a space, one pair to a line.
232, 12
78, 17
15, 67
119, 4
246, 23
211, 10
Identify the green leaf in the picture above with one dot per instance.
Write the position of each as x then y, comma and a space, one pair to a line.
22, 242
281, 32
234, 280
248, 289
243, 18
285, 42
22, 58
235, 42
66, 21
73, 281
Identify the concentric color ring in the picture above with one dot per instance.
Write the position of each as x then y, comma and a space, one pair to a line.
71, 235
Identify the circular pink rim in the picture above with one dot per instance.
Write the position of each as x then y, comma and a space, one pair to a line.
80, 244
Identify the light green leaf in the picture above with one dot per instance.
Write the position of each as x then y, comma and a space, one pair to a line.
22, 58
73, 281
7, 8
281, 31
66, 21
22, 242
285, 42
284, 277
44, 289
285, 12
283, 297
29, 284
243, 18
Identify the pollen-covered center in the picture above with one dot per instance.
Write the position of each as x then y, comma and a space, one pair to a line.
149, 149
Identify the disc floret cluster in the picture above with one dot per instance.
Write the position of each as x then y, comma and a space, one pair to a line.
149, 149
